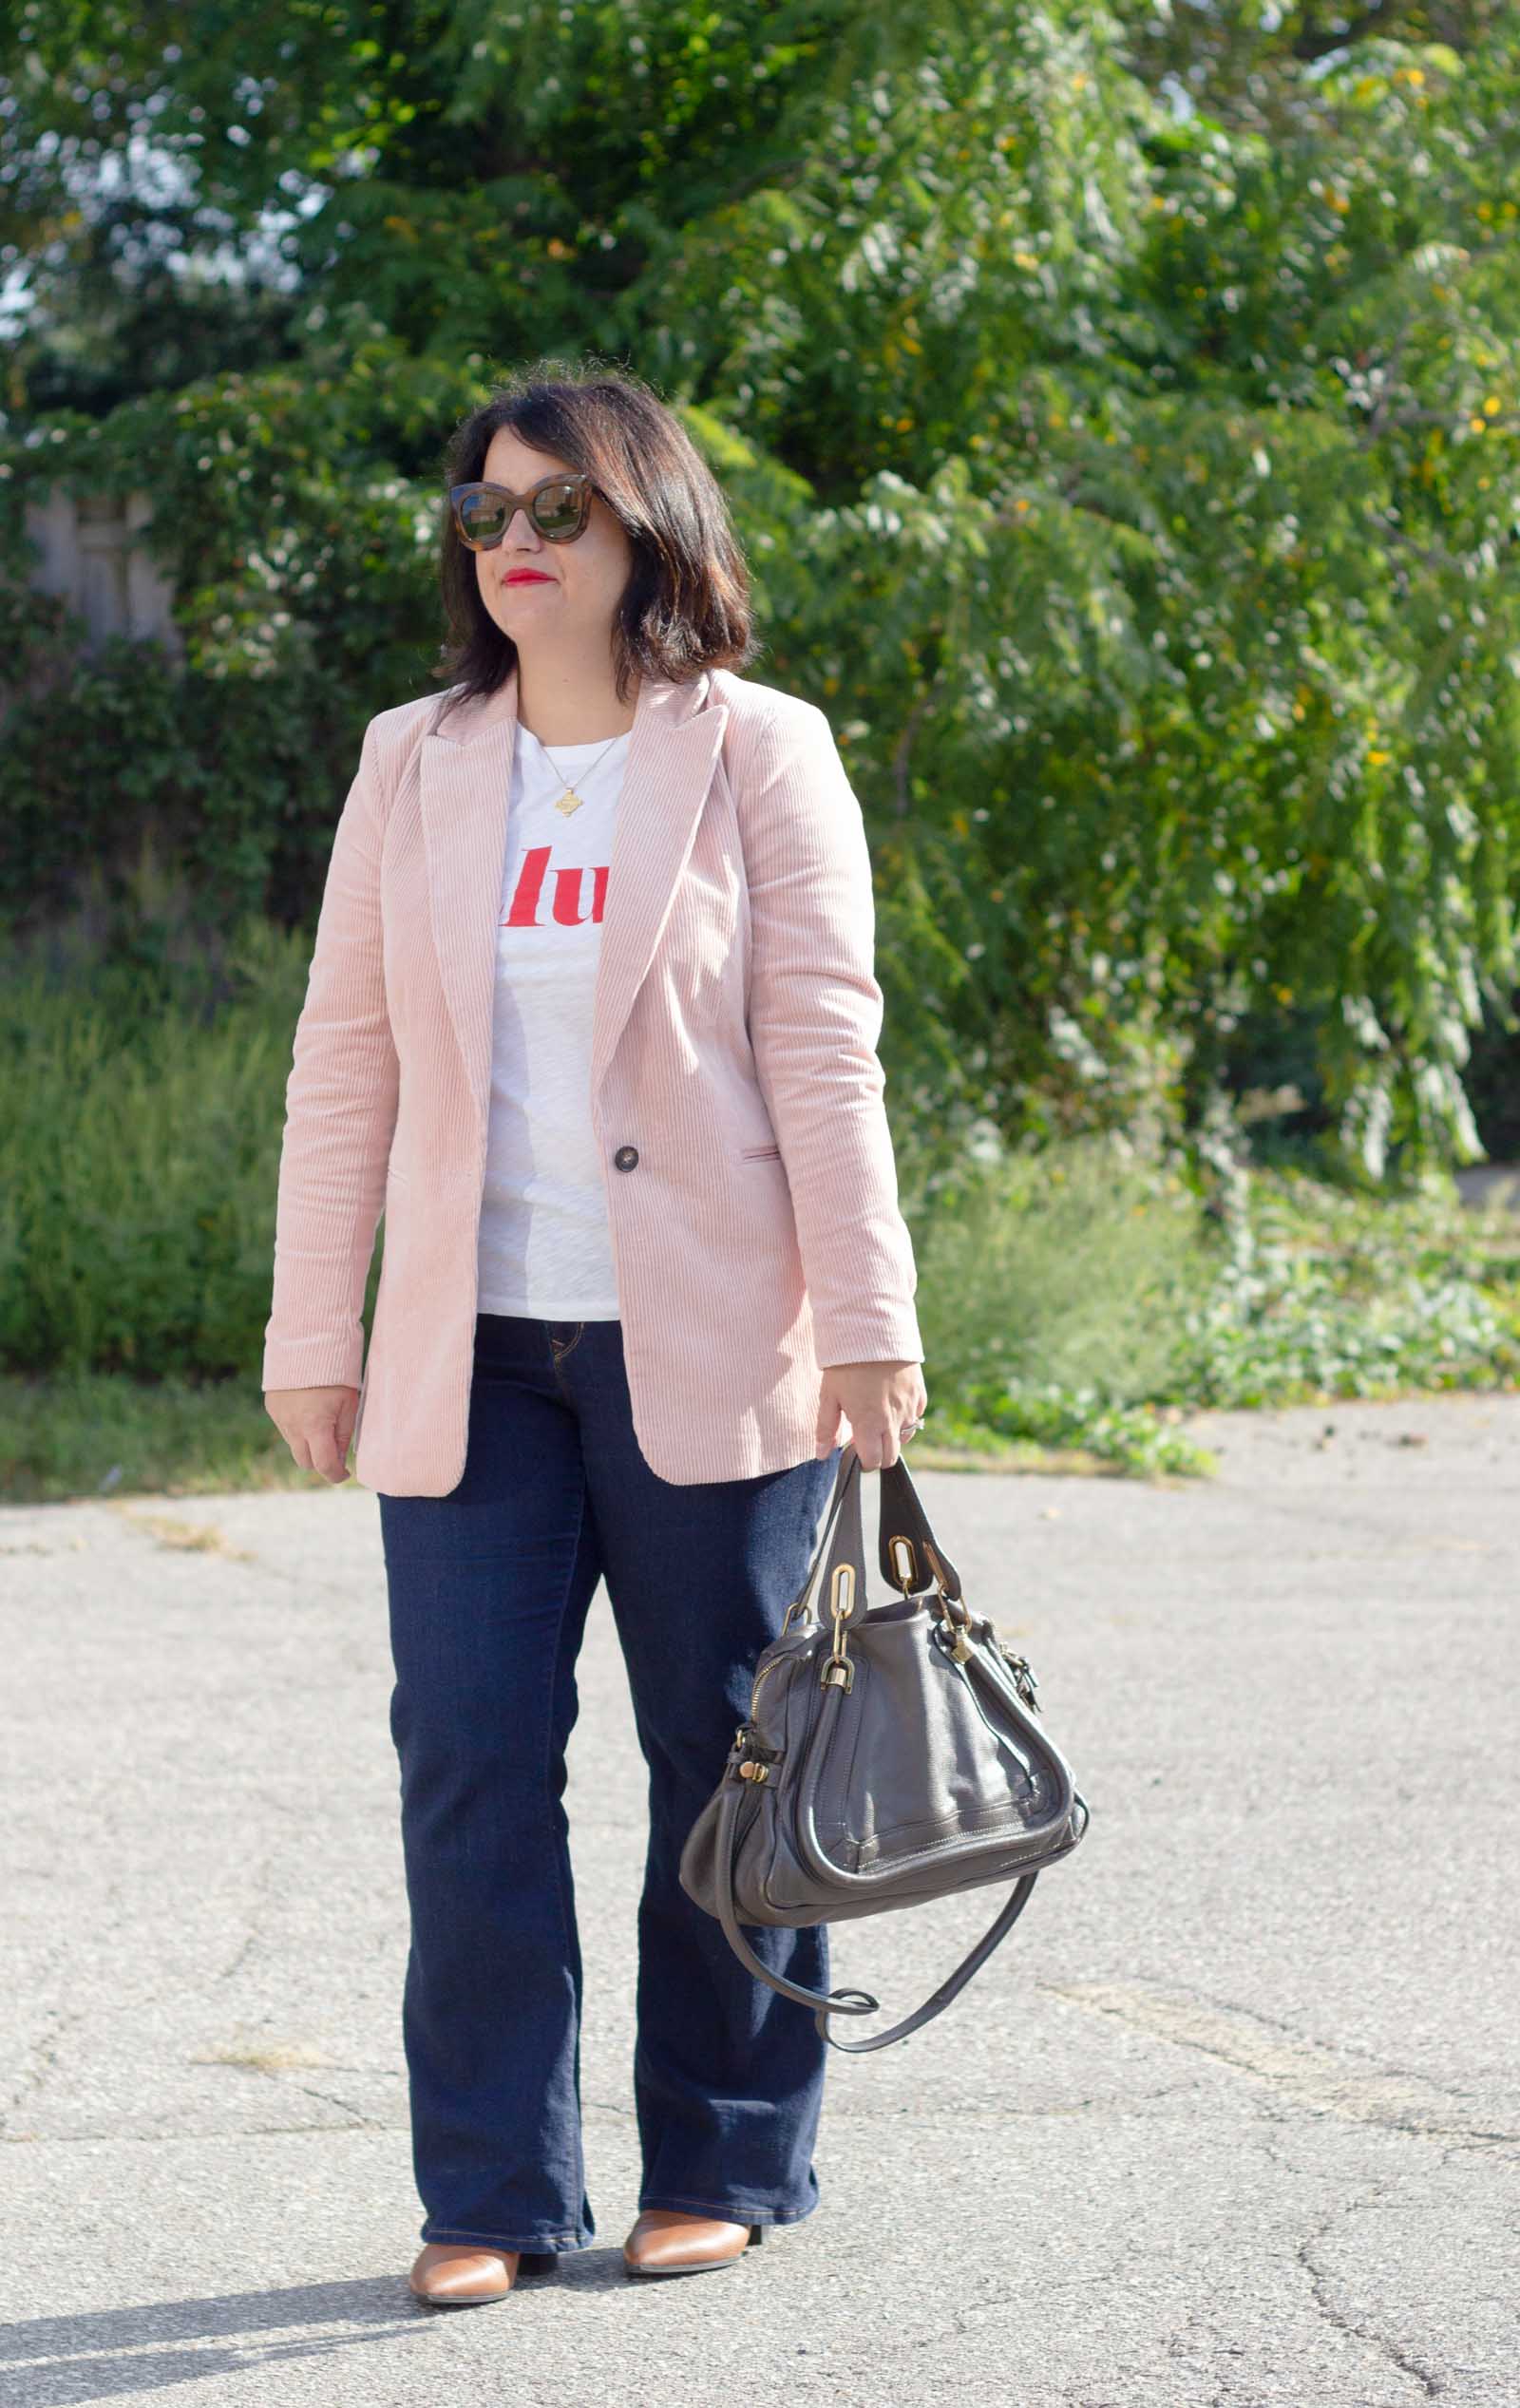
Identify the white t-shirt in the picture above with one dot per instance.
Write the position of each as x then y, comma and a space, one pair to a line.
545, 1249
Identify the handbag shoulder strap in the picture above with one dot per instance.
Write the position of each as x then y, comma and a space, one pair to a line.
833, 2002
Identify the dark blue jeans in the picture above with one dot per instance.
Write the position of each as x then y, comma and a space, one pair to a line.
488, 1592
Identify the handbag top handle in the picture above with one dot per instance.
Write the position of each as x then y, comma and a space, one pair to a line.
910, 1556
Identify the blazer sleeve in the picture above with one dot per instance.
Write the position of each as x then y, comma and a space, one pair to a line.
814, 1020
340, 1115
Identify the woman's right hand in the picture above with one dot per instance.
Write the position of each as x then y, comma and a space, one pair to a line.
317, 1425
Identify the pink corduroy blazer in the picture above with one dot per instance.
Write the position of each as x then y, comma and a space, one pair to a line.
757, 1237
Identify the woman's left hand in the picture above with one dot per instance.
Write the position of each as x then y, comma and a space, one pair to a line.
883, 1403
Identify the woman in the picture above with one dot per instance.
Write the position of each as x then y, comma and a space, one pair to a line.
592, 1016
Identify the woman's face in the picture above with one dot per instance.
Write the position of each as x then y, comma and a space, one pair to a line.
572, 594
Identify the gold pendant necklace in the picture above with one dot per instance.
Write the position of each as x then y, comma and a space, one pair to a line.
570, 801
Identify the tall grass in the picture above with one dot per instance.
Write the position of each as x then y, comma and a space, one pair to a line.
140, 1123
1072, 1269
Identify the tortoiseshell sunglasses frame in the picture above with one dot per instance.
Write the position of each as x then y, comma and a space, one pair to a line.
457, 494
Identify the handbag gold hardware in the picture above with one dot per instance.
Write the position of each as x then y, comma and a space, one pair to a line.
764, 1674
954, 1620
937, 1568
839, 1673
905, 1565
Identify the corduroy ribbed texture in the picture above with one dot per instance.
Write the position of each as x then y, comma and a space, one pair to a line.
734, 1028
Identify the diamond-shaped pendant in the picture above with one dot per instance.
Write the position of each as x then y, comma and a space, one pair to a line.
569, 802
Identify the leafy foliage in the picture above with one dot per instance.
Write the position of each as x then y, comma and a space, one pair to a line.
1119, 411
1073, 1300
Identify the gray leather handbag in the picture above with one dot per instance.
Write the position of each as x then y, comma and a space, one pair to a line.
889, 1758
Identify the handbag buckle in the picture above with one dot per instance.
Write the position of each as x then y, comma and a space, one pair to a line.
749, 1757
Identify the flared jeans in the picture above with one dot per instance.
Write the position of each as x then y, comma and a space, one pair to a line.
489, 1588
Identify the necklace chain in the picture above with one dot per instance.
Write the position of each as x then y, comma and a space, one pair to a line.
570, 801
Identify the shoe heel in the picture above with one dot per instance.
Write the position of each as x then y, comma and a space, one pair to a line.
757, 2233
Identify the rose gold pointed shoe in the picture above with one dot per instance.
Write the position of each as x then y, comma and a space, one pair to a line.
665, 2241
463, 2273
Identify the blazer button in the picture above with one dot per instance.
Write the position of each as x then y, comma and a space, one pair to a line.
625, 1157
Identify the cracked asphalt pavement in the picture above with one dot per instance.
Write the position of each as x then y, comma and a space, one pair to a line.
1231, 2120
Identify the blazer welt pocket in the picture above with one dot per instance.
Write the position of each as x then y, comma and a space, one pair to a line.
759, 1154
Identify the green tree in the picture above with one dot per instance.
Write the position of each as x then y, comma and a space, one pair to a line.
1119, 406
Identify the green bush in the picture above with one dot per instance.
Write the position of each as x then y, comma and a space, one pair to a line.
1069, 1268
1334, 1292
142, 1104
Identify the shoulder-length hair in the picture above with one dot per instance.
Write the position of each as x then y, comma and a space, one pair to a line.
686, 605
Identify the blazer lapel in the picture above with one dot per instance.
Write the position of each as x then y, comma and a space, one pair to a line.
466, 778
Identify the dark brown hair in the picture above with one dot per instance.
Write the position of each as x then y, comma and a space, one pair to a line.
686, 605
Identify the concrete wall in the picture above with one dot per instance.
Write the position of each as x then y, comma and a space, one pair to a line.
91, 556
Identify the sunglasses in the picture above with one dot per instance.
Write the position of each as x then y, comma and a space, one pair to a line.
558, 508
